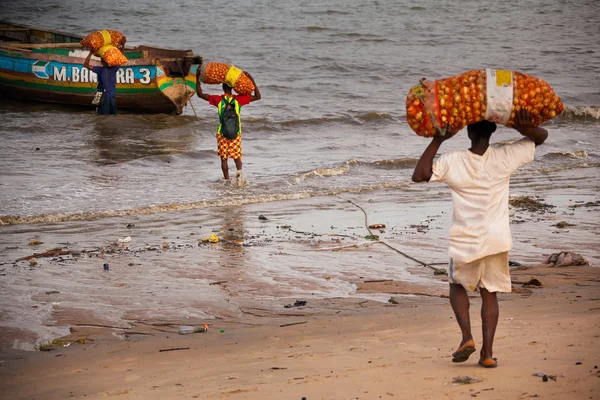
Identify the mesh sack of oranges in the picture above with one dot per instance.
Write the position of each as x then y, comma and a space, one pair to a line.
214, 73
112, 56
95, 40
489, 94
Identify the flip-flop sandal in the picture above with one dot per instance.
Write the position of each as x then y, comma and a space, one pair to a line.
463, 352
469, 343
489, 363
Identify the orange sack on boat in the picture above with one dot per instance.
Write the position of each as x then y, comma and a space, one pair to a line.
95, 40
214, 73
488, 94
112, 56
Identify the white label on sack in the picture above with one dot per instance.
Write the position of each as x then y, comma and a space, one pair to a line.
499, 95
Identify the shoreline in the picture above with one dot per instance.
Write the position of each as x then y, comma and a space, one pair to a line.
308, 249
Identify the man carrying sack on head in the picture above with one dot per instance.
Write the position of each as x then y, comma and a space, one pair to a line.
480, 235
229, 131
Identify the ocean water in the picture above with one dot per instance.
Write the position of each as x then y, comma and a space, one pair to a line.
334, 77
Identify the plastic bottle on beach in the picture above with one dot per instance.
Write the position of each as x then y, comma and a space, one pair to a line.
185, 329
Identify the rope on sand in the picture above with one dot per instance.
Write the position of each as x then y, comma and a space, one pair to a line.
386, 244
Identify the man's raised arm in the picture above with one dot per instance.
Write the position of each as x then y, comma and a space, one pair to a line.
424, 167
524, 125
86, 63
204, 96
256, 95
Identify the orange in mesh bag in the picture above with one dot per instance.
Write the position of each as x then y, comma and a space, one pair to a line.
214, 73
490, 94
112, 56
95, 40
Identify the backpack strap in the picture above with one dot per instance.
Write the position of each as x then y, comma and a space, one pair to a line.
224, 101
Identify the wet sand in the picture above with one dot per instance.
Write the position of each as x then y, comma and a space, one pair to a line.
348, 341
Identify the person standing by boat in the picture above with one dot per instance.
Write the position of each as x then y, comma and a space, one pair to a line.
480, 235
107, 83
231, 146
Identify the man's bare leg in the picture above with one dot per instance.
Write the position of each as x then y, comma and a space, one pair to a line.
459, 300
238, 163
225, 168
489, 320
240, 179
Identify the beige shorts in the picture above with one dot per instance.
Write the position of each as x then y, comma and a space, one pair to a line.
489, 272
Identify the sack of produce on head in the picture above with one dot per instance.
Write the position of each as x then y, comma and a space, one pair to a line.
489, 94
95, 40
214, 73
244, 85
112, 56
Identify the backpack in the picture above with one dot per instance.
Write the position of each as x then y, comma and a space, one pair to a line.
229, 118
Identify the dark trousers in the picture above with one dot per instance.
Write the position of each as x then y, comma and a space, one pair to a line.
109, 107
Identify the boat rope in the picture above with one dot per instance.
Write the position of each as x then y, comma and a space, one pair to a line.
386, 244
194, 110
185, 87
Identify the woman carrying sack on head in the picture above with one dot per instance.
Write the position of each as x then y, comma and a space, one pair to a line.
106, 95
107, 87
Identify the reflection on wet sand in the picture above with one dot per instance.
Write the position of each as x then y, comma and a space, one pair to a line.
124, 138
232, 237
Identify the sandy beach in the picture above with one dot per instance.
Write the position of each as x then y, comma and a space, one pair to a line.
375, 323
337, 350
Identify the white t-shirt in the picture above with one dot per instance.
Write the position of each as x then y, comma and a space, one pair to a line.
479, 185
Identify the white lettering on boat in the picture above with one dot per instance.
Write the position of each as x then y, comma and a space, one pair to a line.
125, 75
145, 76
128, 75
60, 74
78, 74
75, 74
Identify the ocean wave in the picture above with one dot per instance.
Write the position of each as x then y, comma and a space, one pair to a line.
332, 67
581, 113
374, 116
376, 40
561, 155
180, 207
326, 12
278, 87
339, 170
351, 118
354, 34
317, 28
363, 37
323, 172
345, 168
396, 163
556, 168
313, 121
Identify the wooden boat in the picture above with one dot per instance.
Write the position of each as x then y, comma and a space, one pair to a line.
44, 65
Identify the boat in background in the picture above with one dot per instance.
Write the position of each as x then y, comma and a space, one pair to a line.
44, 65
